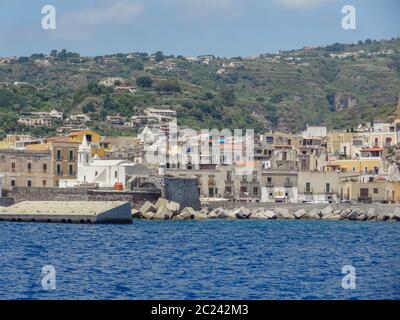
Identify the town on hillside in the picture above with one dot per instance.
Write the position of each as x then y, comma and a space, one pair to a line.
359, 165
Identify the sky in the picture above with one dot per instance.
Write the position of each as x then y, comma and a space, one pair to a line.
226, 28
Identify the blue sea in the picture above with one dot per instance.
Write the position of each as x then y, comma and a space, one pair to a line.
201, 260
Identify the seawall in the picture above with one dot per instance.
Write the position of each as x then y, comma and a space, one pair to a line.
293, 207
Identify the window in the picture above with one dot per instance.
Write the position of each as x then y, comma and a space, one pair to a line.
255, 191
44, 182
115, 174
71, 155
269, 181
254, 176
96, 173
58, 170
70, 170
375, 190
13, 183
44, 167
284, 156
270, 140
29, 183
308, 187
58, 155
29, 167
12, 166
328, 188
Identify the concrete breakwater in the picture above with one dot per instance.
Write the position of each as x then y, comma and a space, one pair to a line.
166, 210
68, 212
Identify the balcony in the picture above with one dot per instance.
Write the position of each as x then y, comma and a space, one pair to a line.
288, 184
270, 184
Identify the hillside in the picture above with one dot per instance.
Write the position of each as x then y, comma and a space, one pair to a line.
339, 85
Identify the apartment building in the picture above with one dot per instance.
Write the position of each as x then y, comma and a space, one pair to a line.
24, 168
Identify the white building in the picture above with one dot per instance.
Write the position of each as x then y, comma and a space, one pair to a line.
315, 131
103, 173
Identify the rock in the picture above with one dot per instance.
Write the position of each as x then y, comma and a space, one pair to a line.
230, 215
288, 216
300, 213
260, 215
281, 212
200, 216
336, 217
327, 210
313, 214
327, 216
204, 211
136, 214
382, 217
163, 213
337, 212
217, 213
187, 214
173, 207
148, 215
242, 213
353, 215
345, 213
348, 210
148, 207
371, 215
362, 217
396, 214
161, 202
270, 215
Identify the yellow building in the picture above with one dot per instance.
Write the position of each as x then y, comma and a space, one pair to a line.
94, 139
378, 190
357, 165
63, 155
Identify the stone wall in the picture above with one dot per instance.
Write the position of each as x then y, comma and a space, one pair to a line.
182, 190
136, 197
6, 202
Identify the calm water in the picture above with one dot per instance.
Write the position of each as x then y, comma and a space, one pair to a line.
201, 260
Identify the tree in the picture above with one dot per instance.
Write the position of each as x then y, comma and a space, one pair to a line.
228, 96
144, 82
159, 56
169, 86
89, 107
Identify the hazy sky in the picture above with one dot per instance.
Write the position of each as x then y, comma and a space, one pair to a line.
190, 27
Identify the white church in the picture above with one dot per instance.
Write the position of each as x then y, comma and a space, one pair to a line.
103, 173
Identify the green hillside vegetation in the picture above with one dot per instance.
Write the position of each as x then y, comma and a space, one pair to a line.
284, 91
